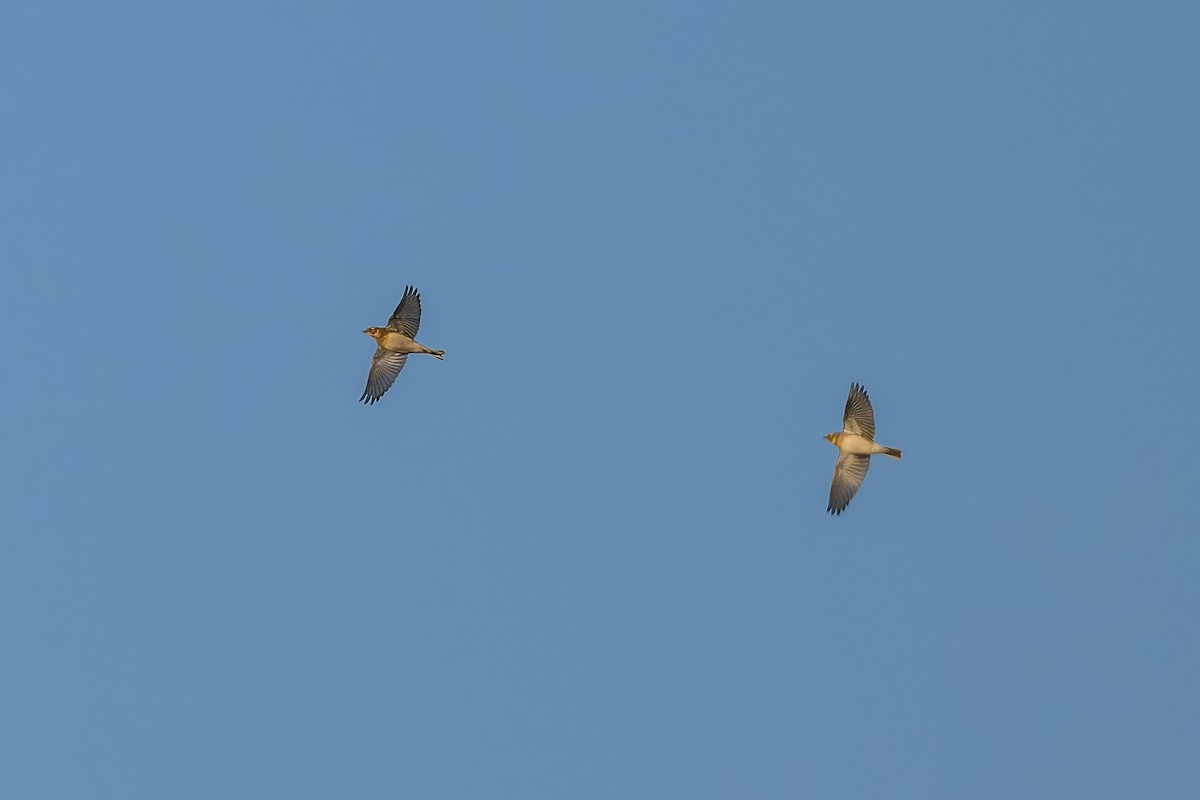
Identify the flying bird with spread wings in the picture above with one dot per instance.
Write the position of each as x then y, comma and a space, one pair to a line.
856, 444
396, 342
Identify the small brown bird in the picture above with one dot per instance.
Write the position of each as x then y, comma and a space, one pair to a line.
855, 444
396, 341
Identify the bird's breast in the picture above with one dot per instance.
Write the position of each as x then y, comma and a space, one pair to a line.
854, 443
397, 343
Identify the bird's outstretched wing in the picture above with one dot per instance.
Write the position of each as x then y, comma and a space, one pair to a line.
407, 316
848, 475
384, 368
859, 417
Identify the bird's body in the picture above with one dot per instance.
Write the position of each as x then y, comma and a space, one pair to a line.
395, 343
856, 444
860, 445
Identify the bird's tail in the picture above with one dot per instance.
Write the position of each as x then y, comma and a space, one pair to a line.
891, 451
439, 353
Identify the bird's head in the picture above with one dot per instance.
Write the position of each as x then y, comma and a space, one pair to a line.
372, 332
831, 438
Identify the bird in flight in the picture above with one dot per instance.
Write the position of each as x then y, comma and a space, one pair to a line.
856, 444
395, 341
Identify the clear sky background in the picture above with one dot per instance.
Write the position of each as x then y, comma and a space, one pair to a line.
587, 555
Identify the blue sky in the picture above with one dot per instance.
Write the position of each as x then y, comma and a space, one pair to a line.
587, 555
